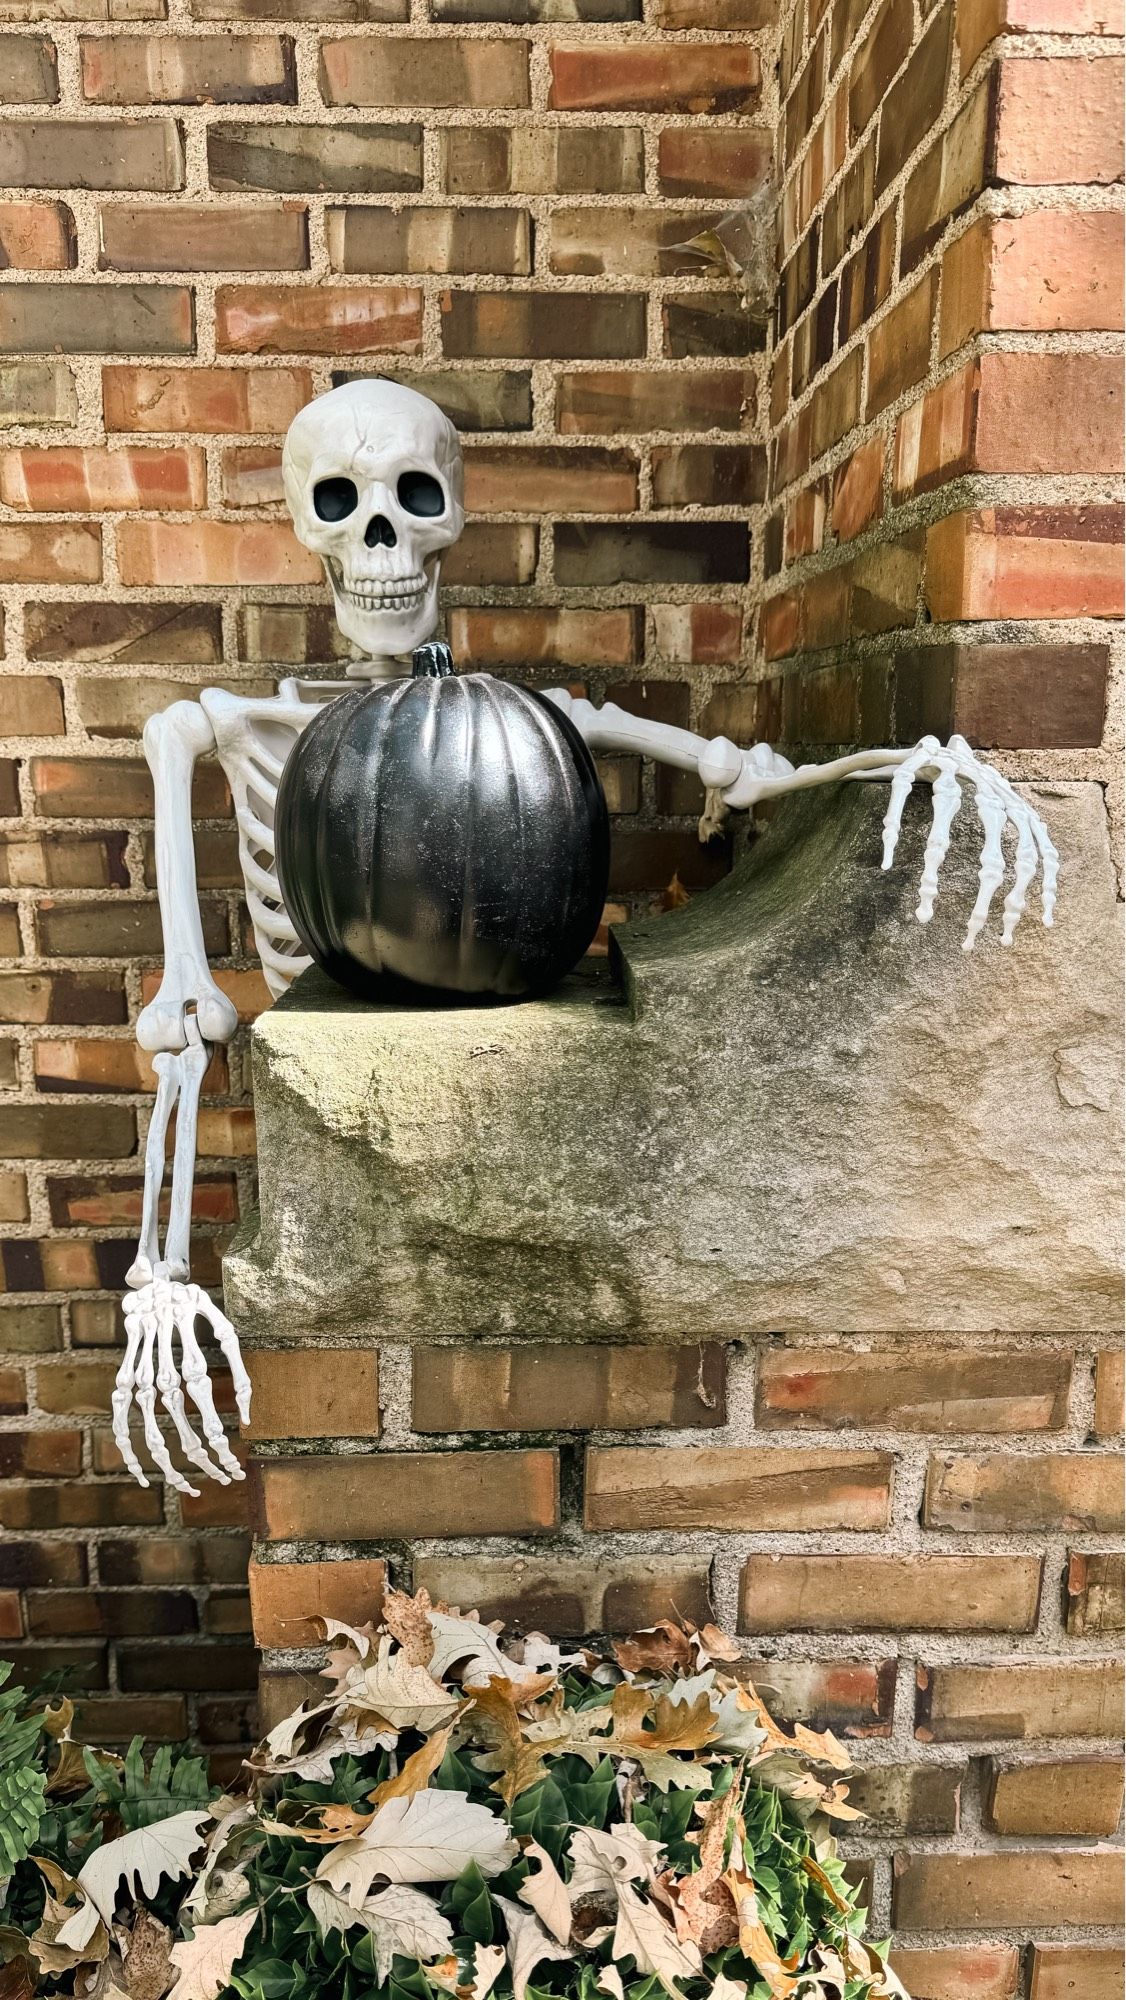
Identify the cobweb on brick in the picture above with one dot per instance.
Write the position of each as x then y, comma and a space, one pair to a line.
743, 245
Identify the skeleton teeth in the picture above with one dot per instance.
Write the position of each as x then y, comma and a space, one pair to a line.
401, 591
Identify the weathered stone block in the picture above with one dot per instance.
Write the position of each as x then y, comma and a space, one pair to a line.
792, 1108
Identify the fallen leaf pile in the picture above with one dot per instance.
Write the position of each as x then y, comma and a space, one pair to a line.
455, 1817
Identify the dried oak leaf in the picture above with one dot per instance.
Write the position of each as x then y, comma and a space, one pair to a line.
408, 1620
663, 1648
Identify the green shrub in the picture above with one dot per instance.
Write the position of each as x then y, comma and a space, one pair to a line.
453, 1818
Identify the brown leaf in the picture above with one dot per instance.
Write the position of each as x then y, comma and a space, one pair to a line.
828, 1888
407, 1620
17, 1980
493, 1720
149, 1970
677, 1725
717, 1645
701, 1906
322, 1826
416, 1772
754, 1939
663, 1648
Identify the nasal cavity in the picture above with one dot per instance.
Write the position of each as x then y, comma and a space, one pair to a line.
379, 533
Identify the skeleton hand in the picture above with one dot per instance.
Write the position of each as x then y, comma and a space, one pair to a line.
154, 1314
998, 806
162, 1304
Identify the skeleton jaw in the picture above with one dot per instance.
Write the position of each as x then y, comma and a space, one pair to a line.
386, 615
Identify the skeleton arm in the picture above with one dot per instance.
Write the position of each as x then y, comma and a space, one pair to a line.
188, 1013
741, 778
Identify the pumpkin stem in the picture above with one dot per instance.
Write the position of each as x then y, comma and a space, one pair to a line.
432, 662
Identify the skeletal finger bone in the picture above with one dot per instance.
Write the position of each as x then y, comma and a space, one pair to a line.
910, 769
122, 1398
171, 1392
198, 1385
146, 1403
991, 811
946, 797
227, 1340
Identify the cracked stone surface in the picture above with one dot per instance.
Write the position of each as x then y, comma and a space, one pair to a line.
786, 1107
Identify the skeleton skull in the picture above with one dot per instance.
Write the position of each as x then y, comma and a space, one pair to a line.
373, 481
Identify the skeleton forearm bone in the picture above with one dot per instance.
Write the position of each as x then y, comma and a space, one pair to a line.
742, 778
173, 741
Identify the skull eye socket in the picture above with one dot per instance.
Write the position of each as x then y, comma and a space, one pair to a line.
334, 499
420, 493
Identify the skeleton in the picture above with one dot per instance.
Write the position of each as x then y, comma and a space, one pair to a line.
373, 481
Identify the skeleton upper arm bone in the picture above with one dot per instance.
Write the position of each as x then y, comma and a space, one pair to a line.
173, 740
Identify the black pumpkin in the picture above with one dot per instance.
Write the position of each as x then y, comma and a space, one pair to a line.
444, 834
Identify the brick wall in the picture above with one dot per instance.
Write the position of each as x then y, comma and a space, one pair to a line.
255, 204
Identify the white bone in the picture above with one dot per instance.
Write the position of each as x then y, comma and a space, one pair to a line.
173, 741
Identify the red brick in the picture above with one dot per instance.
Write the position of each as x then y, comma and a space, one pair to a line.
36, 236
288, 1598
899, 346
692, 76
218, 400
40, 1455
391, 1494
857, 495
80, 1504
535, 1388
1059, 121
183, 553
325, 319
1026, 562
73, 479
1034, 413
11, 1620
1042, 271
698, 634
981, 21
514, 479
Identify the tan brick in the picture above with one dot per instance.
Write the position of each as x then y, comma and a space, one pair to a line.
11, 1620
570, 1596
1058, 121
725, 164
192, 237
1020, 1700
283, 319
37, 392
1011, 1890
313, 1392
1109, 1392
606, 401
375, 240
908, 1798
692, 76
410, 70
1076, 1972
40, 1455
539, 1388
477, 159
699, 635
36, 236
127, 153
543, 325
518, 637
899, 347
1081, 1797
31, 705
959, 1972
887, 1593
735, 1487
550, 479
287, 1598
28, 70
80, 1504
218, 400
96, 319
50, 552
65, 479
927, 1390
1095, 1595
177, 69
181, 553
392, 1494
995, 1493
124, 634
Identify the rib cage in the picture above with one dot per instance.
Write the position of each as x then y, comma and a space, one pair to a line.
253, 737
